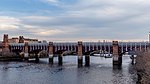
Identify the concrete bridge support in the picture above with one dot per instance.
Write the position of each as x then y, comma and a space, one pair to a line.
50, 52
80, 54
87, 60
117, 60
26, 54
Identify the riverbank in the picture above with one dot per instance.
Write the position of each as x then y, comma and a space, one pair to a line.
143, 68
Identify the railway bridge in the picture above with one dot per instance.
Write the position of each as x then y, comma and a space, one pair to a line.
48, 50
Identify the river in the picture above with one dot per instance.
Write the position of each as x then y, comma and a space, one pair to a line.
99, 72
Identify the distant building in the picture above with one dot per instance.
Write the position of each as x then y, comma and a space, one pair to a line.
13, 40
21, 39
30, 40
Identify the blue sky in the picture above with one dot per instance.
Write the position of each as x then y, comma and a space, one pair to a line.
73, 20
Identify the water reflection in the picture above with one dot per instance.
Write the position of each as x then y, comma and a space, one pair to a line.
100, 72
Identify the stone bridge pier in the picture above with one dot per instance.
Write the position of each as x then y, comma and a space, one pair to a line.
87, 60
117, 57
50, 52
80, 54
26, 53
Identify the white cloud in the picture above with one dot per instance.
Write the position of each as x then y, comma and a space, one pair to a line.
52, 2
8, 23
8, 20
50, 32
42, 31
7, 27
86, 19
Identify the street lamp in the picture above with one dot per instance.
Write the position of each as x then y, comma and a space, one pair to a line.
149, 37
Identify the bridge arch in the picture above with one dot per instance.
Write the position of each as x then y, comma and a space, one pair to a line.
61, 53
17, 51
92, 52
38, 53
65, 52
43, 54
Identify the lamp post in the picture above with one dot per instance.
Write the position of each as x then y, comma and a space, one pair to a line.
149, 41
149, 37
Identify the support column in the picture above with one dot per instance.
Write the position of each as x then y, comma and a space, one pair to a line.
116, 58
149, 42
26, 54
80, 54
60, 59
87, 60
50, 52
109, 50
37, 58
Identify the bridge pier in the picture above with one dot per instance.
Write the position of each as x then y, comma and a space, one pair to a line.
87, 60
26, 54
50, 52
80, 54
37, 58
60, 59
117, 59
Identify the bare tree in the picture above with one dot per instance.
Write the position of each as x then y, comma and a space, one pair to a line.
143, 67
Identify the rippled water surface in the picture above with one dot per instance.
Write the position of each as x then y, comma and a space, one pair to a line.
100, 72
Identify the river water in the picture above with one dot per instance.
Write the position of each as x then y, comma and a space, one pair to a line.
100, 72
